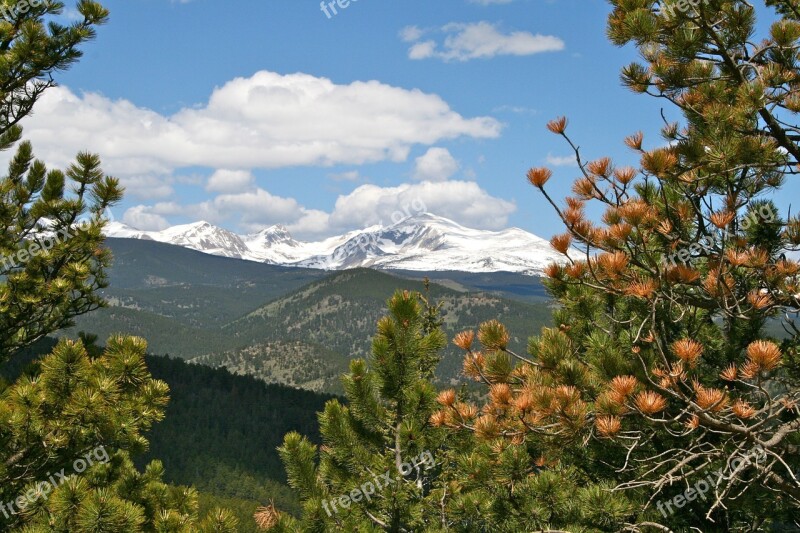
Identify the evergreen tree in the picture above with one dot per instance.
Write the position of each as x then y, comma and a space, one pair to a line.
675, 360
465, 477
73, 410
51, 260
377, 468
67, 430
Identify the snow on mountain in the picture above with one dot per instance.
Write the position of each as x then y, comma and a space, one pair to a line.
423, 242
200, 236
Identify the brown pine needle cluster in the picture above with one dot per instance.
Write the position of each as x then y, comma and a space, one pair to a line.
637, 212
688, 351
608, 426
710, 399
625, 175
634, 142
722, 219
762, 356
730, 374
464, 340
623, 386
267, 517
760, 300
693, 422
486, 427
539, 176
577, 270
683, 274
743, 410
659, 162
757, 258
558, 126
474, 365
642, 289
620, 231
650, 403
600, 167
668, 378
736, 257
439, 419
562, 242
553, 270
585, 188
613, 264
664, 227
500, 395
446, 398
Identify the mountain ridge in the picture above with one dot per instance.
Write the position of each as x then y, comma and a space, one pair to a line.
423, 242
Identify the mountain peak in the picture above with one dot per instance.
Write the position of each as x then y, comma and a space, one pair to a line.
422, 242
274, 235
423, 218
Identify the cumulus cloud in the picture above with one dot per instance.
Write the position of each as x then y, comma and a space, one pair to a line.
462, 201
561, 160
142, 217
480, 40
230, 181
268, 120
410, 34
350, 175
436, 165
367, 205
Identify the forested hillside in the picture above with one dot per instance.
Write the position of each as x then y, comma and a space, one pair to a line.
308, 337
286, 325
221, 432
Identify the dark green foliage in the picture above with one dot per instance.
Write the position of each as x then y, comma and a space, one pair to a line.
338, 314
386, 424
222, 431
50, 252
78, 407
191, 305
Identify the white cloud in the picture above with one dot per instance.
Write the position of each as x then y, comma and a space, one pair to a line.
462, 201
480, 40
422, 50
561, 160
350, 175
436, 165
520, 110
141, 217
230, 181
410, 34
147, 186
268, 120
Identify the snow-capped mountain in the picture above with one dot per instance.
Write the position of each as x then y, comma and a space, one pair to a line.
423, 242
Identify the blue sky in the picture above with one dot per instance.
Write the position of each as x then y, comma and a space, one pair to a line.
248, 113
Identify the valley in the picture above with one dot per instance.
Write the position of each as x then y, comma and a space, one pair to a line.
293, 326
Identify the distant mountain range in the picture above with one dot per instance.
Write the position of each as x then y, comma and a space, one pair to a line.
423, 242
295, 326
